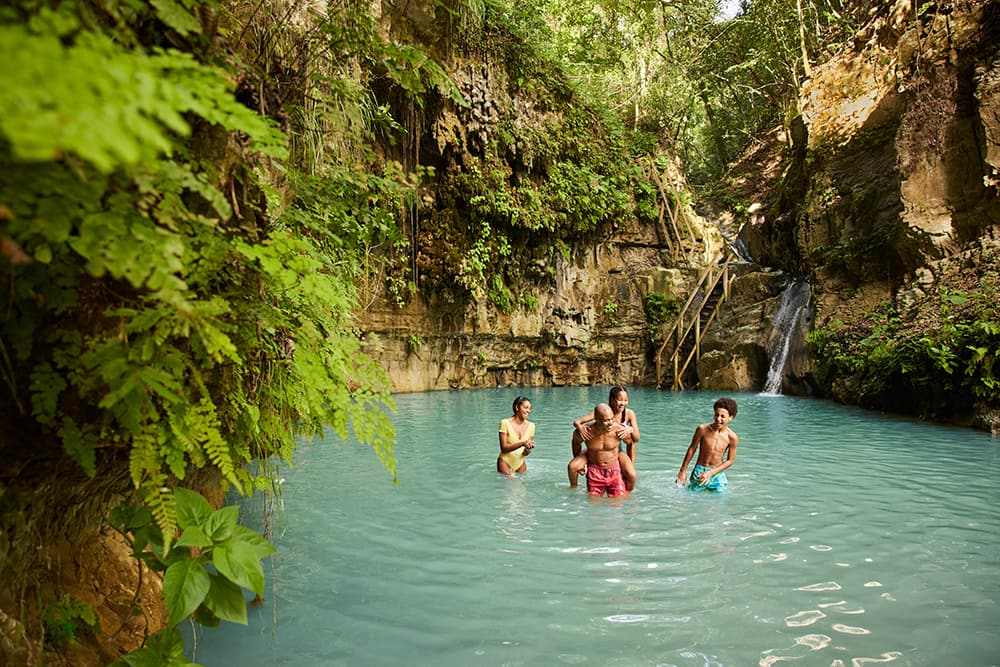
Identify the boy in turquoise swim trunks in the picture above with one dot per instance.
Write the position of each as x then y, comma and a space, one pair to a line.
716, 444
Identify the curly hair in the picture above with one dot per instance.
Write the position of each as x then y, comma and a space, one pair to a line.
727, 403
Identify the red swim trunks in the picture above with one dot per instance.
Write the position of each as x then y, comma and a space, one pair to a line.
601, 480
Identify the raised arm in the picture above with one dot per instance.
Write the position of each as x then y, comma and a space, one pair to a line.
581, 424
508, 443
581, 432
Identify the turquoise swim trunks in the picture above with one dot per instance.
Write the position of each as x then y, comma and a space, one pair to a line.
718, 483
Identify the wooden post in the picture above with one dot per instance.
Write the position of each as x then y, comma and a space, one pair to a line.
697, 337
677, 377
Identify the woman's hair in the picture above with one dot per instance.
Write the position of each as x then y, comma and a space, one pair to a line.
518, 401
615, 390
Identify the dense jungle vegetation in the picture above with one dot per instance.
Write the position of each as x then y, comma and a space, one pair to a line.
196, 199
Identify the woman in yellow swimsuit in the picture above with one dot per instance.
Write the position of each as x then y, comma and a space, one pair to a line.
517, 439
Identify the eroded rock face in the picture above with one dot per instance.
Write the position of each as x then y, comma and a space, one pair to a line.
902, 130
891, 177
55, 542
582, 321
736, 351
589, 328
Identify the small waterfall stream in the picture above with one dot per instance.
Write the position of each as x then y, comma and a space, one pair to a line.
794, 306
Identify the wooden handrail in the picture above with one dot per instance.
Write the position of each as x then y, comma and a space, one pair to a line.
709, 283
679, 373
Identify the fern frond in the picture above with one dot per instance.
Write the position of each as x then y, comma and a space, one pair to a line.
196, 432
214, 444
144, 459
160, 501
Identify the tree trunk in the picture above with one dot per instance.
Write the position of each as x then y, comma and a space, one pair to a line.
713, 128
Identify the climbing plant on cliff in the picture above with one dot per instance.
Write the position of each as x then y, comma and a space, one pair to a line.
936, 360
178, 295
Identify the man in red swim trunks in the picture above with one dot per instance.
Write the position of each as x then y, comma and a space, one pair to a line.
604, 475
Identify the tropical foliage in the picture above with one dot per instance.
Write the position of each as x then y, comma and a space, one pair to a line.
197, 198
180, 289
935, 365
707, 74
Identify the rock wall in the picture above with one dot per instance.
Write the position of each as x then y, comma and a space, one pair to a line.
61, 545
589, 327
900, 134
736, 350
584, 322
889, 181
891, 168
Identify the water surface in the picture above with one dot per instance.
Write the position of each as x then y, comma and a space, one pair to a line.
846, 538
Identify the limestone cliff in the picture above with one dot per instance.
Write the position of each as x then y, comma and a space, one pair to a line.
529, 259
882, 191
888, 189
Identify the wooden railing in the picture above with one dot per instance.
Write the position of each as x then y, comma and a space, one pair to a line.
689, 321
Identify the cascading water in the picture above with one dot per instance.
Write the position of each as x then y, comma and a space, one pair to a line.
794, 306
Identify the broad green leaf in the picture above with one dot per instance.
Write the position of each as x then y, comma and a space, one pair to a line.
238, 562
261, 546
192, 508
164, 649
222, 522
185, 585
225, 600
176, 555
205, 616
142, 517
193, 536
176, 16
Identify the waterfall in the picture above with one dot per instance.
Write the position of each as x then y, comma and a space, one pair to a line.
741, 250
794, 306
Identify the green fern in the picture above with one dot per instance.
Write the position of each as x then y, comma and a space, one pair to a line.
160, 501
80, 444
145, 460
46, 386
152, 315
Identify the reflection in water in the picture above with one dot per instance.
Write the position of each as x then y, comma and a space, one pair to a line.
804, 618
459, 567
516, 516
850, 630
825, 586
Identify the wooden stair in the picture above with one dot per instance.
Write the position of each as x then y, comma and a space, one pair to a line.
695, 317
